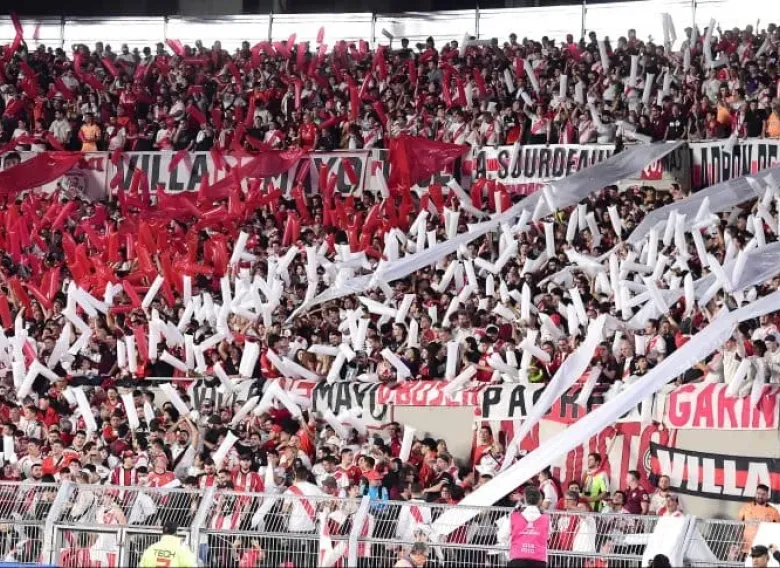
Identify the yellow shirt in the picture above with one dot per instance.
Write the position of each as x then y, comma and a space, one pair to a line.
168, 552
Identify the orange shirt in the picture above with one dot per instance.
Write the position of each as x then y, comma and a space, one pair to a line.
90, 133
755, 514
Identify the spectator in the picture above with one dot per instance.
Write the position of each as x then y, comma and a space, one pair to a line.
759, 511
637, 499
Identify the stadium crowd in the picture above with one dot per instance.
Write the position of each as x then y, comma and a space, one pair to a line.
286, 94
199, 98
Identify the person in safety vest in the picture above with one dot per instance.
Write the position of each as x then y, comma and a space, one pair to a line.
168, 552
530, 530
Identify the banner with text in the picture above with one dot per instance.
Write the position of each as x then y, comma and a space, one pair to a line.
348, 168
708, 406
87, 178
537, 165
715, 162
718, 476
512, 402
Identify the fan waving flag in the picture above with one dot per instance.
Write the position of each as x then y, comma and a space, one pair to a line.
36, 171
414, 159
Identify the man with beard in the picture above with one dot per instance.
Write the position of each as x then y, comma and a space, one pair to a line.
759, 511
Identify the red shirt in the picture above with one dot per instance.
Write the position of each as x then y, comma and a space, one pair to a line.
269, 371
307, 132
635, 498
160, 479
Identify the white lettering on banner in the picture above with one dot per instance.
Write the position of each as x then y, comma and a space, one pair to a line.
733, 478
714, 162
88, 178
187, 174
707, 406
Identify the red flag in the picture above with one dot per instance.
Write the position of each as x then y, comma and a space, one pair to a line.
53, 142
5, 312
354, 100
412, 69
379, 108
176, 46
381, 64
300, 57
321, 35
349, 171
480, 82
37, 171
414, 159
196, 114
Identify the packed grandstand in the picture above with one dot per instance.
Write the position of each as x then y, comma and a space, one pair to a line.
316, 304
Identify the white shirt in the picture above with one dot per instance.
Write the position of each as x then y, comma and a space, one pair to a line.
300, 521
60, 129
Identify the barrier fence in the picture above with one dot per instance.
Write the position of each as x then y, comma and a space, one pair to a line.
611, 20
72, 525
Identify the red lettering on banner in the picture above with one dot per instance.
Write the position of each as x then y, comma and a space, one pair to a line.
727, 410
439, 399
654, 171
420, 394
492, 164
767, 407
384, 395
94, 163
703, 411
679, 410
402, 396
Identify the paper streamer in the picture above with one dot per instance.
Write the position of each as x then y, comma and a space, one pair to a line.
587, 388
249, 359
402, 370
452, 360
604, 57
403, 309
531, 76
634, 71
175, 399
244, 411
224, 448
406, 443
649, 78
85, 409
9, 452
152, 292
549, 237
130, 410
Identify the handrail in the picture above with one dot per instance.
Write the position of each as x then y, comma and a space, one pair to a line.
200, 526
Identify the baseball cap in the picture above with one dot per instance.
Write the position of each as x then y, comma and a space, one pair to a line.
758, 551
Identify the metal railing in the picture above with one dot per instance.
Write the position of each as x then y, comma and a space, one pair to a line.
72, 525
554, 21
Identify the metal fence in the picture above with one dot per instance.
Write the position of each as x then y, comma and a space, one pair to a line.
72, 525
610, 20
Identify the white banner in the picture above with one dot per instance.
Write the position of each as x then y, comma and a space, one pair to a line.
716, 162
88, 178
537, 165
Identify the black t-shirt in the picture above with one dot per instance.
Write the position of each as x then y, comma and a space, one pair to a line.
754, 122
676, 128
